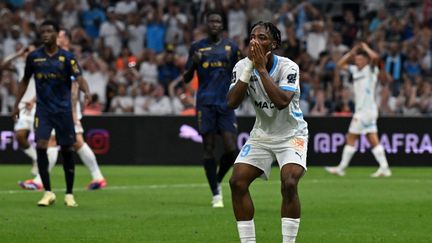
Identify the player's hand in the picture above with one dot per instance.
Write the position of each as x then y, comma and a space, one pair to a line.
15, 113
87, 99
259, 56
29, 105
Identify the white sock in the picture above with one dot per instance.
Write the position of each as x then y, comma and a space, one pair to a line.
89, 159
52, 153
31, 152
379, 154
246, 231
347, 154
290, 228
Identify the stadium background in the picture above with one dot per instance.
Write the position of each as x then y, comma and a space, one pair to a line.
132, 53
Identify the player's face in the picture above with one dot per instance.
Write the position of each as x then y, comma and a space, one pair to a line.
214, 24
360, 61
62, 40
263, 37
48, 34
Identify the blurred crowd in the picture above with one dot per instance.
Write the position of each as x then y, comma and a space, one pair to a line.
133, 52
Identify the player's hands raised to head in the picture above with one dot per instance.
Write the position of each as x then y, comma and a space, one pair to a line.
258, 54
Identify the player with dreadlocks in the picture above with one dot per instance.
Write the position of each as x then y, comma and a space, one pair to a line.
279, 134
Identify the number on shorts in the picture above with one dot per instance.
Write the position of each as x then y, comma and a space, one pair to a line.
245, 150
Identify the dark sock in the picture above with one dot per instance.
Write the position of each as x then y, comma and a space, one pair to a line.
210, 170
226, 161
42, 161
69, 168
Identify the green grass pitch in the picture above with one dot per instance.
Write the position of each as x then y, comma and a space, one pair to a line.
172, 204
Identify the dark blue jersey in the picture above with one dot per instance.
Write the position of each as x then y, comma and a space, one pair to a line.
53, 77
214, 69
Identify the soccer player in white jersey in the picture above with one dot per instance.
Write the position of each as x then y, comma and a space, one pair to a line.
81, 147
365, 75
279, 134
27, 107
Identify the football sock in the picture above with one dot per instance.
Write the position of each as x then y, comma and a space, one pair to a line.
31, 152
42, 160
89, 159
347, 154
379, 154
290, 228
52, 153
210, 170
246, 231
226, 161
68, 167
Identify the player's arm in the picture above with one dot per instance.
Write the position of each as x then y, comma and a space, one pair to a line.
344, 61
191, 64
74, 99
280, 98
83, 86
374, 57
240, 84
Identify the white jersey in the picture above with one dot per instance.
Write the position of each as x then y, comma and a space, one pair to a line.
365, 81
271, 123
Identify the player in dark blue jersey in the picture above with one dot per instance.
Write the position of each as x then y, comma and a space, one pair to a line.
52, 68
213, 58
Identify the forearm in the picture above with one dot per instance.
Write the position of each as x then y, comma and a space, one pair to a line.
22, 87
279, 97
188, 75
237, 94
83, 86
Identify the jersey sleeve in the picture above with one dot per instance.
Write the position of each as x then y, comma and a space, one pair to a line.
28, 70
352, 68
75, 69
236, 72
290, 78
189, 62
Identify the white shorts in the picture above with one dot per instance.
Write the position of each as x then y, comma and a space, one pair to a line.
25, 120
261, 154
363, 123
78, 129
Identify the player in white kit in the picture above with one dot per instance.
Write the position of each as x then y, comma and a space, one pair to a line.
27, 107
81, 147
280, 133
365, 76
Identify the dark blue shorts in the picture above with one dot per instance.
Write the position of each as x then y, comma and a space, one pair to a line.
62, 123
216, 119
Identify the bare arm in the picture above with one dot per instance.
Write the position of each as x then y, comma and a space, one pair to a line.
22, 87
237, 94
83, 86
371, 53
343, 62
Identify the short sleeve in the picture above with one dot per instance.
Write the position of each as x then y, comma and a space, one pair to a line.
290, 79
75, 68
189, 62
28, 70
236, 72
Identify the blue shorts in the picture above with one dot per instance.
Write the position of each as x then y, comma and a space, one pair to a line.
216, 119
62, 123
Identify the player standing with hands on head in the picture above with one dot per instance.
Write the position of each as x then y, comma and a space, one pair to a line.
365, 76
280, 132
53, 69
213, 58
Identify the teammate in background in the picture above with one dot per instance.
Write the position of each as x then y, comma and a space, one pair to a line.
53, 68
213, 58
365, 75
81, 147
280, 133
24, 125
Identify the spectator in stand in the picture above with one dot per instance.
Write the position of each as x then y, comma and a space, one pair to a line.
95, 72
122, 103
157, 103
94, 108
92, 19
111, 32
156, 30
135, 33
168, 71
320, 106
149, 67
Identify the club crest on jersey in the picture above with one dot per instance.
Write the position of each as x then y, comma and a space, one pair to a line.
61, 58
227, 48
292, 78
